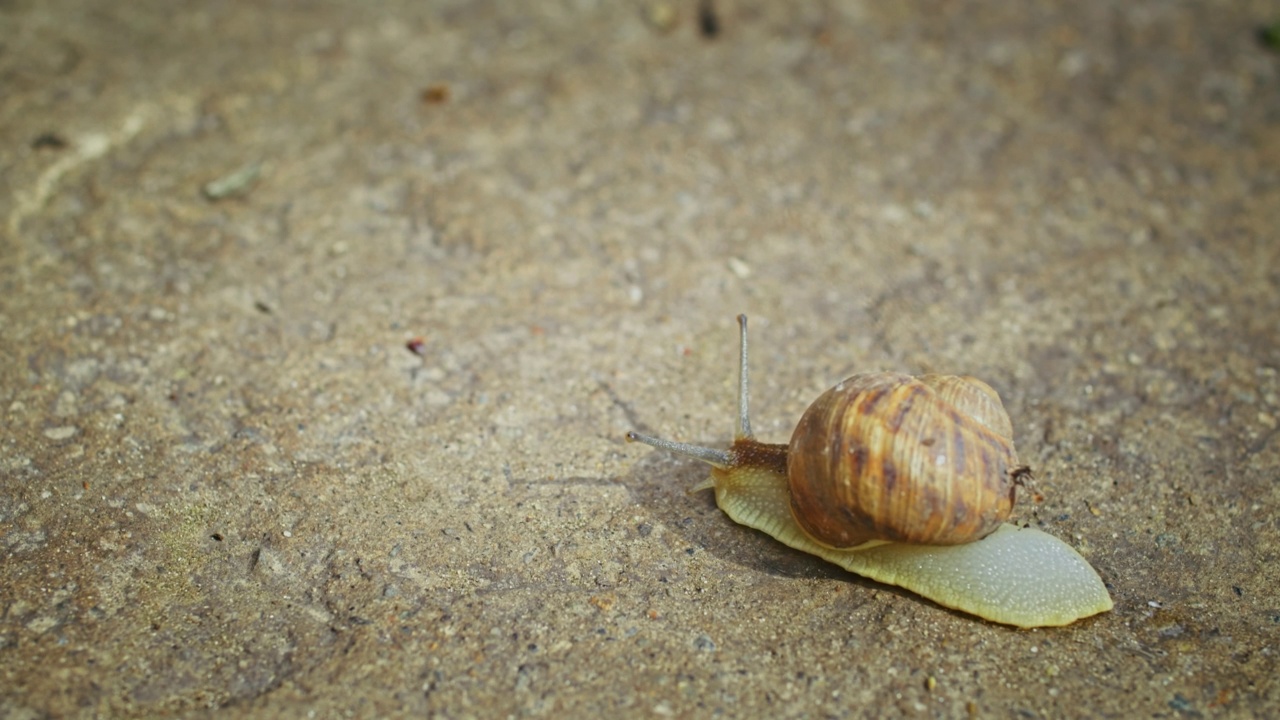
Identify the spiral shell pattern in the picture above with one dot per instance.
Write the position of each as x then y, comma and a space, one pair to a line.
884, 456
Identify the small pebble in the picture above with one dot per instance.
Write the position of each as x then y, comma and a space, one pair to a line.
62, 432
661, 16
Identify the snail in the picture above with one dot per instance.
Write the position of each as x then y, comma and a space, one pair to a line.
907, 481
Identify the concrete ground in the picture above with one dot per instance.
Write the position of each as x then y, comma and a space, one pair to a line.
322, 324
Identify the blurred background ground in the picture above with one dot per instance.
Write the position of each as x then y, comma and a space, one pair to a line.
342, 433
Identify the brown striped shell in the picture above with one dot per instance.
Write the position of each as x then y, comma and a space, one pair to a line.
924, 460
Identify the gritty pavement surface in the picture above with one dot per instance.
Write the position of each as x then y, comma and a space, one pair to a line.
321, 325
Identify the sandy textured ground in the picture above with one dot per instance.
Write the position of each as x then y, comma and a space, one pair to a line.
227, 482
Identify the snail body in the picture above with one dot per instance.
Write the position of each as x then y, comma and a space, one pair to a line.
907, 481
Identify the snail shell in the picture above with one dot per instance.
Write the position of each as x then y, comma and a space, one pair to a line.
906, 481
886, 456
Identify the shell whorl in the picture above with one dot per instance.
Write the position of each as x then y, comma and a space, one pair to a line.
887, 456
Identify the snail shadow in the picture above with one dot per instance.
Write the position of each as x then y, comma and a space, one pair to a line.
661, 484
